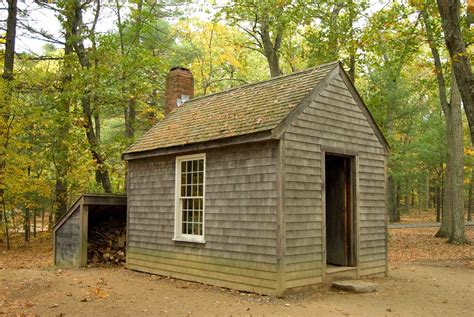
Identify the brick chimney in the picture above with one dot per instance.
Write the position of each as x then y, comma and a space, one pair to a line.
179, 88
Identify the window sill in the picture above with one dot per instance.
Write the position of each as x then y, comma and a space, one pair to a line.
189, 240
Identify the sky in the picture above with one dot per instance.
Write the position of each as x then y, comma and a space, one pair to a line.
45, 20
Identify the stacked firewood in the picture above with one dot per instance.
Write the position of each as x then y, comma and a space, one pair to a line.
107, 244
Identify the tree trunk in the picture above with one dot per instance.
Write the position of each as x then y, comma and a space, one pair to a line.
42, 218
452, 193
447, 193
34, 223
407, 196
271, 50
62, 148
470, 205
7, 76
333, 35
130, 117
438, 204
420, 200
9, 57
5, 220
60, 196
12, 216
75, 22
26, 224
456, 148
427, 192
397, 198
353, 48
460, 59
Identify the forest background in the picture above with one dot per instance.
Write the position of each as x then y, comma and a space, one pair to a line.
72, 107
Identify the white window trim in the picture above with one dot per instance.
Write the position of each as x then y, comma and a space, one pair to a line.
178, 236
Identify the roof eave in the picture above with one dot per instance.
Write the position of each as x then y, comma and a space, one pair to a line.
201, 146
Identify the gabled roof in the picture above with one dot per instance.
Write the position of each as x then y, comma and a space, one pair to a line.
260, 111
244, 110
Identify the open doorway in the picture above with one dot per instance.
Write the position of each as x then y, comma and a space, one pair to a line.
339, 210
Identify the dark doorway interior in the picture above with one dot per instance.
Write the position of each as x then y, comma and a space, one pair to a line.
106, 235
338, 210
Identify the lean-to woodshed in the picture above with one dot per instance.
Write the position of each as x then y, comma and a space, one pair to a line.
269, 187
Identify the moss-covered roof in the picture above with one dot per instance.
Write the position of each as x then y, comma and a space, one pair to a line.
244, 110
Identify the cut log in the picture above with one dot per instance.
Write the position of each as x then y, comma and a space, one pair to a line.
107, 242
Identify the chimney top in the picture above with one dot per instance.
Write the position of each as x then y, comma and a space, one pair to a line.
179, 68
179, 87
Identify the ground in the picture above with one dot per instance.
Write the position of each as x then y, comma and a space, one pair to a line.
427, 277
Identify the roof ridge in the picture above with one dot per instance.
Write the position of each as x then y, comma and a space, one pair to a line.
260, 82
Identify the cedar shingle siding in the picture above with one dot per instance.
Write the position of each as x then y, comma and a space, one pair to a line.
265, 198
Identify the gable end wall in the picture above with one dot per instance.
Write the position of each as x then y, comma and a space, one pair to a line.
332, 120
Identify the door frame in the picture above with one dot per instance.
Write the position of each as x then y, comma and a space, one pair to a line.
354, 178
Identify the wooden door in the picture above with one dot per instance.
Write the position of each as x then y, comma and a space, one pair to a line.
337, 210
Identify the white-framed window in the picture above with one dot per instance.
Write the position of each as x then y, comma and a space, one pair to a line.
190, 198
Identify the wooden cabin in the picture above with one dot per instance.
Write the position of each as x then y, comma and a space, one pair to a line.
270, 187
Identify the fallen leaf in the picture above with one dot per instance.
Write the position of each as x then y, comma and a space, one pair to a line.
100, 293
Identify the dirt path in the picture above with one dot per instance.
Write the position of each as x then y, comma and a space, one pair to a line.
411, 290
419, 285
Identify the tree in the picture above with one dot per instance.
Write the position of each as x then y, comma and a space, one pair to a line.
268, 24
451, 21
217, 59
451, 225
7, 77
74, 23
390, 40
333, 33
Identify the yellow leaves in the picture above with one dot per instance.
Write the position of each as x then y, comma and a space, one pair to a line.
419, 4
100, 293
469, 151
470, 6
218, 53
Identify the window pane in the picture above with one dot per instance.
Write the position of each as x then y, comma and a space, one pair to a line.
195, 166
189, 178
188, 166
183, 166
200, 165
200, 178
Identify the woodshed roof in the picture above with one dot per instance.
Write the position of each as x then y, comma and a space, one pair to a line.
244, 110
